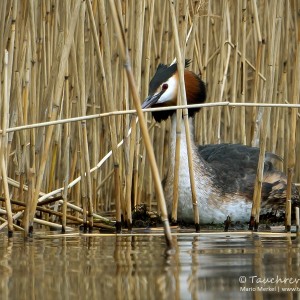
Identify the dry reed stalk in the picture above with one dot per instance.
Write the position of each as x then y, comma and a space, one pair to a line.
15, 226
180, 67
147, 50
297, 221
204, 29
235, 70
277, 53
168, 49
66, 180
293, 127
108, 91
76, 180
34, 63
207, 41
31, 109
95, 152
224, 65
46, 210
83, 183
66, 136
260, 48
23, 157
2, 26
132, 152
124, 112
179, 115
11, 51
142, 168
129, 172
136, 166
64, 53
3, 146
82, 109
176, 167
15, 217
255, 212
243, 71
121, 39
51, 224
30, 157
104, 180
149, 189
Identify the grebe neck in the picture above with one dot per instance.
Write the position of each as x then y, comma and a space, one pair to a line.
202, 171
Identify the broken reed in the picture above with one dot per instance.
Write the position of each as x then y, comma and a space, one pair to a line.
60, 66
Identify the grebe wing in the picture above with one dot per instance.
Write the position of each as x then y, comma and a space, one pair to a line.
235, 156
234, 168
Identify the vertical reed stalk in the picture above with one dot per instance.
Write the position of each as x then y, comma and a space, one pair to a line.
146, 81
180, 66
256, 76
293, 127
138, 32
177, 164
129, 172
56, 104
159, 190
224, 64
235, 70
254, 220
66, 134
108, 93
243, 71
179, 112
66, 180
297, 221
3, 146
255, 211
84, 149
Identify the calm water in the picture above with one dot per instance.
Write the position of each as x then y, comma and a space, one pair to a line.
205, 266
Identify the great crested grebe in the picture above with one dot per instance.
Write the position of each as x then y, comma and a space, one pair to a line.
224, 173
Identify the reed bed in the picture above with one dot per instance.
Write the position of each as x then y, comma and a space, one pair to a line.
61, 62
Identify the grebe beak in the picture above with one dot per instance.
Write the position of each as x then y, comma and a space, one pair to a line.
151, 100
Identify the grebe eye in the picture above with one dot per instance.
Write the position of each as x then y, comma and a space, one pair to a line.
164, 87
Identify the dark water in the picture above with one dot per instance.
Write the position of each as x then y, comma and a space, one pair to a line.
205, 266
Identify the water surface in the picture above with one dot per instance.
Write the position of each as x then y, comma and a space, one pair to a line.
201, 266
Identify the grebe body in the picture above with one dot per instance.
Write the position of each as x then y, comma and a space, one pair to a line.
224, 173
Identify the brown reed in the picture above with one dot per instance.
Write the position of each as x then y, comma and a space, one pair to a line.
3, 146
64, 66
148, 146
180, 65
293, 127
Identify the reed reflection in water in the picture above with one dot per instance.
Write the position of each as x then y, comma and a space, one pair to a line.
139, 267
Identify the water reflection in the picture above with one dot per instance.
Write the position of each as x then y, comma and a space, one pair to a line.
139, 267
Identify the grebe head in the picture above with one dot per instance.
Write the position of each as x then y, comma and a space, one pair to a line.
163, 90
